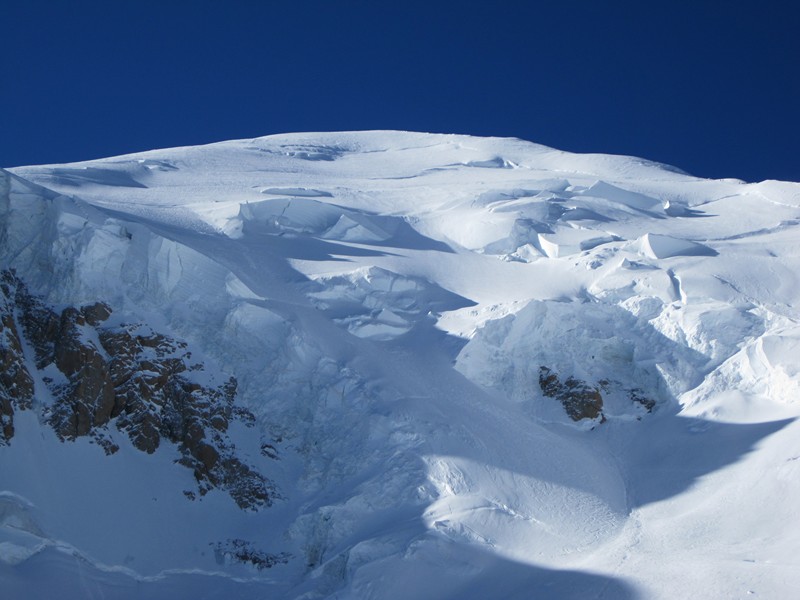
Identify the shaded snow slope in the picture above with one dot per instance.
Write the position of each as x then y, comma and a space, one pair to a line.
482, 367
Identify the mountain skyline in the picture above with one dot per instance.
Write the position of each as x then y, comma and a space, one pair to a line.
710, 90
389, 364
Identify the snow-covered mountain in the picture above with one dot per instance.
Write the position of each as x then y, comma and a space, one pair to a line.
397, 365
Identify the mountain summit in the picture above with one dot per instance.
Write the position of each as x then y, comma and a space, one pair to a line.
396, 365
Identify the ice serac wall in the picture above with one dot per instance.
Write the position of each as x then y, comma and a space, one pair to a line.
69, 251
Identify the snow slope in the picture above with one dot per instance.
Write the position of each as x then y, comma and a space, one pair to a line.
404, 314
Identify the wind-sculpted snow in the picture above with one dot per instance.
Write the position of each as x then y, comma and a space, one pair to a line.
664, 246
378, 304
476, 368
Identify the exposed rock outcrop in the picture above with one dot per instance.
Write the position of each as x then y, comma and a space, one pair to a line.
16, 384
130, 376
86, 401
638, 396
242, 551
157, 399
580, 400
583, 400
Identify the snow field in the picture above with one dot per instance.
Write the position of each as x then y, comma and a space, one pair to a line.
386, 301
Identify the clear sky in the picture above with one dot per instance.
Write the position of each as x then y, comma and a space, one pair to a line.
712, 87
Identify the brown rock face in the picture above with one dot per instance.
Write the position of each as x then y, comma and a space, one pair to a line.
638, 396
96, 313
88, 400
16, 383
156, 400
39, 322
245, 552
580, 400
130, 376
6, 420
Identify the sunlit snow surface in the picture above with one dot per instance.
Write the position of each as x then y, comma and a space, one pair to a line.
386, 300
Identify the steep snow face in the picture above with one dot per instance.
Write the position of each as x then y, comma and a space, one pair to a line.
475, 367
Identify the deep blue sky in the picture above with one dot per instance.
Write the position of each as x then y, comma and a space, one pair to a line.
712, 87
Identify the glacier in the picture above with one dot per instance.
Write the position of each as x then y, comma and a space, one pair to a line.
458, 367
